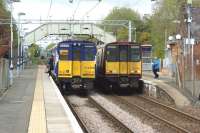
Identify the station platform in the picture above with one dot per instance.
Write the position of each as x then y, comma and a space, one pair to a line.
168, 84
35, 105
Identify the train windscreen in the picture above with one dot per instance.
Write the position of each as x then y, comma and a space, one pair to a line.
112, 53
123, 54
64, 54
134, 53
76, 54
89, 52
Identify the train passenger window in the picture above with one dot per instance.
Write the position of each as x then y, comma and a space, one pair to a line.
134, 53
112, 53
77, 54
123, 53
63, 54
89, 53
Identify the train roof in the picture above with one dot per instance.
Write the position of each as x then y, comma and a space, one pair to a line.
78, 41
146, 45
70, 41
123, 43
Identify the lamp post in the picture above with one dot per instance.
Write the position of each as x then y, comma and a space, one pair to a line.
19, 63
135, 34
22, 46
191, 42
11, 41
129, 30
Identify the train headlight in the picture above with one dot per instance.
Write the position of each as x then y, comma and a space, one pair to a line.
114, 71
136, 71
109, 71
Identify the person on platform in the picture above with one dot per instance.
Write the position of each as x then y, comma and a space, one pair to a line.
50, 65
156, 67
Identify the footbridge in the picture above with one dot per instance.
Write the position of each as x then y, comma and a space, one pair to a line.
69, 29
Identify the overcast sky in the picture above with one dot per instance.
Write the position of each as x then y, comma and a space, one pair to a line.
62, 9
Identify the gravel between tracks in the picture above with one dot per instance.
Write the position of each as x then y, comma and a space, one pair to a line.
129, 120
171, 116
154, 123
194, 111
93, 119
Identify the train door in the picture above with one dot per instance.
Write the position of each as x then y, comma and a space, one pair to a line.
112, 60
135, 60
88, 61
123, 59
76, 59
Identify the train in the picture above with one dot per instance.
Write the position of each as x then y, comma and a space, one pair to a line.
119, 65
74, 64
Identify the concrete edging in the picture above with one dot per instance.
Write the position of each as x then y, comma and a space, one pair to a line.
75, 124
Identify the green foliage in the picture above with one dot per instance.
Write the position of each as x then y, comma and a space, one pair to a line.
34, 51
163, 23
122, 34
144, 37
123, 13
196, 3
51, 45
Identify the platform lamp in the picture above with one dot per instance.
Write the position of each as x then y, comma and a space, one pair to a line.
22, 46
11, 41
19, 43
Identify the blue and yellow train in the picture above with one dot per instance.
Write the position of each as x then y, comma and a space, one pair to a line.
119, 65
74, 64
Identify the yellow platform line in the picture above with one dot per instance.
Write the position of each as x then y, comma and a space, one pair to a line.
37, 123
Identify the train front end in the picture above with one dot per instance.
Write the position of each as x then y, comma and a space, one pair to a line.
123, 65
76, 64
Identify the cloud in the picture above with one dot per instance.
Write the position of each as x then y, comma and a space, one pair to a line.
62, 9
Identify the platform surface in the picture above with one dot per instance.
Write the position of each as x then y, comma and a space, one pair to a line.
15, 104
50, 113
168, 85
34, 104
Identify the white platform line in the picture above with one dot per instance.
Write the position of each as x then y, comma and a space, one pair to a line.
75, 124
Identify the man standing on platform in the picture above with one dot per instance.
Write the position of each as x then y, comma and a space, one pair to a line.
50, 65
156, 67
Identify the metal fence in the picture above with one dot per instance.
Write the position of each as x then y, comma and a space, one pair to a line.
4, 74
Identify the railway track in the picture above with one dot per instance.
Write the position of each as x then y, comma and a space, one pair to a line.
173, 118
109, 115
80, 121
103, 111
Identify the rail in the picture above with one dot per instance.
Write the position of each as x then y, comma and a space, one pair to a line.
82, 124
113, 118
154, 116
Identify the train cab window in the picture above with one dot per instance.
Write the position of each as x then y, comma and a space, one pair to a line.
63, 54
123, 53
134, 53
112, 53
89, 52
76, 54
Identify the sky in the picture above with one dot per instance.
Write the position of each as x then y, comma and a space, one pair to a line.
62, 9
79, 9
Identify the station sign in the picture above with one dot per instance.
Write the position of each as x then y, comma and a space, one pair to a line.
189, 41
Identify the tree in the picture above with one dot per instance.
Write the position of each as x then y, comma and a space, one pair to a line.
51, 45
196, 3
163, 23
34, 51
123, 13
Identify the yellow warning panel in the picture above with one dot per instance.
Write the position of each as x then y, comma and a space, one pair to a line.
37, 123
